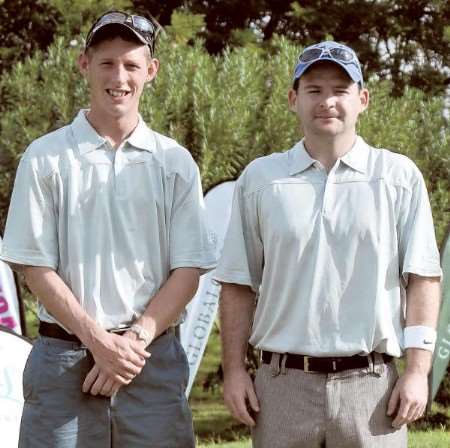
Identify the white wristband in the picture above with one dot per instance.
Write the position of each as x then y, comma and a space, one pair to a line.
419, 336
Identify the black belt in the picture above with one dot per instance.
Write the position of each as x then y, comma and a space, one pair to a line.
55, 331
323, 365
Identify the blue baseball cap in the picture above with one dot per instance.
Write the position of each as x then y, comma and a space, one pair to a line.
331, 51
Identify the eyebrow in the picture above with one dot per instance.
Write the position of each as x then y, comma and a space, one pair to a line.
340, 85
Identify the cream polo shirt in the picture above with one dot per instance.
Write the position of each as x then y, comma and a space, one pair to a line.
112, 223
329, 255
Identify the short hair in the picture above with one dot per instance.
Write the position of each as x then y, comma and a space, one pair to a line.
296, 83
112, 32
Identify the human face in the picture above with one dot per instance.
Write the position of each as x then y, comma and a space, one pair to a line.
116, 71
328, 102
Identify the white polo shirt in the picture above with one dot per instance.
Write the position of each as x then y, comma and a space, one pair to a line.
112, 223
329, 254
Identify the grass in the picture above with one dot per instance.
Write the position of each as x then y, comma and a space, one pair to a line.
424, 439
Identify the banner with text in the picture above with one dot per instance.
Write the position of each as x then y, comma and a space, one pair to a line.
202, 310
442, 351
14, 351
9, 303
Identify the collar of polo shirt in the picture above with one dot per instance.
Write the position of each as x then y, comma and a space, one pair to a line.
89, 140
356, 158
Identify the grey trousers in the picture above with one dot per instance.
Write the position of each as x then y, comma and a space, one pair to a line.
151, 412
314, 410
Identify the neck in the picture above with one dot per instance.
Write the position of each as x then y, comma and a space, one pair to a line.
115, 130
329, 148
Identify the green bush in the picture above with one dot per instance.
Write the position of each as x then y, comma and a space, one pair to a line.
226, 109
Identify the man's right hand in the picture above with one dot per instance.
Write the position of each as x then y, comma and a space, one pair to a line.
240, 397
119, 358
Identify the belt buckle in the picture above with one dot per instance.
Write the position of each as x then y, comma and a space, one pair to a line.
306, 364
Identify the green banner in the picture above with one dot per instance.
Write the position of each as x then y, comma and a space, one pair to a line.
442, 351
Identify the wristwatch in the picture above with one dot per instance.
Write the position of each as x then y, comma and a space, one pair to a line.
141, 333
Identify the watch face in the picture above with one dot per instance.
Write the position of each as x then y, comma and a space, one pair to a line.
141, 333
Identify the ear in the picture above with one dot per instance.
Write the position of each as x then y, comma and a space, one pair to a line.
364, 97
153, 68
292, 100
83, 63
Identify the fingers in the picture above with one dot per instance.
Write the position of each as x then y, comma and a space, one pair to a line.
140, 350
98, 382
241, 400
253, 400
128, 370
393, 401
402, 413
106, 389
410, 394
408, 412
238, 407
90, 379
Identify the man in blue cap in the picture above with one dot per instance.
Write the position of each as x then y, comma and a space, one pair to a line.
330, 268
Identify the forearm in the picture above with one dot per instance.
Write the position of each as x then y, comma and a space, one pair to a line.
422, 308
169, 302
60, 302
237, 306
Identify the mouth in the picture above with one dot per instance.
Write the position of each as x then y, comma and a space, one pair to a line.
326, 117
117, 93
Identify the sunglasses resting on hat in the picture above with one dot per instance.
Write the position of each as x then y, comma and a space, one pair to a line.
330, 51
145, 29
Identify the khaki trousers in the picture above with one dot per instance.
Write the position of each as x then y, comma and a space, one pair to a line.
339, 410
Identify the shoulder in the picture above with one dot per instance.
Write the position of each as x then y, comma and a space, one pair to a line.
262, 171
173, 157
44, 153
395, 168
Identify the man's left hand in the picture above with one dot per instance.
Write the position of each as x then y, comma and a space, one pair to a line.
409, 396
97, 383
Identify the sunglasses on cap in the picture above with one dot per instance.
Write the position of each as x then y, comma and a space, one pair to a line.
145, 29
336, 53
330, 51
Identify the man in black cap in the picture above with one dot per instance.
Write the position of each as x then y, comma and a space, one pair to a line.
106, 222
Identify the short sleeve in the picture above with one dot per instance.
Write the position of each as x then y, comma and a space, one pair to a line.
242, 257
191, 242
30, 235
417, 246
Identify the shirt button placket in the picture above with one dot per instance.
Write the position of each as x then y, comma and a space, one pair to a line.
117, 168
328, 193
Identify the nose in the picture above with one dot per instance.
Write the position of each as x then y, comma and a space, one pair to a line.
119, 74
327, 101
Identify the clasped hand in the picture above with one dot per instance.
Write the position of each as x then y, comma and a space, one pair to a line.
118, 359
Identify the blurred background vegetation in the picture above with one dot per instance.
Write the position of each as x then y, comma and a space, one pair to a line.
226, 67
